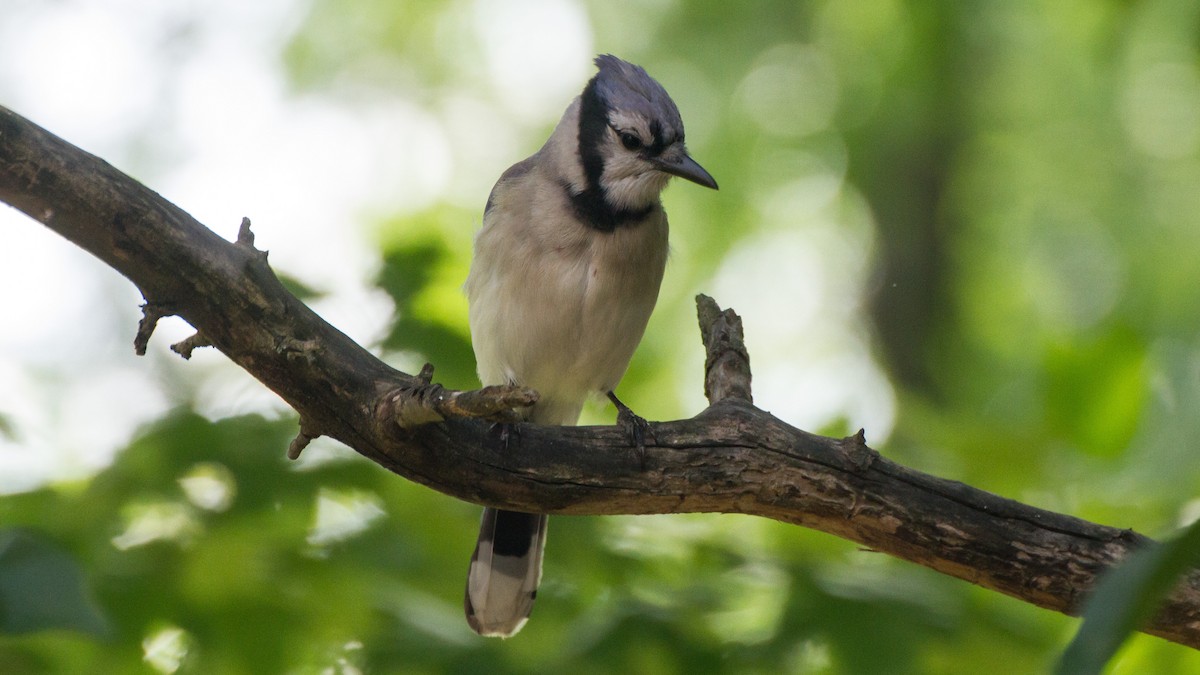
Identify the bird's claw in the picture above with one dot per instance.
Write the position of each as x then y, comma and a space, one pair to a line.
502, 434
636, 427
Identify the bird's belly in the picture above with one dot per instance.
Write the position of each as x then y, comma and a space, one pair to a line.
595, 336
567, 320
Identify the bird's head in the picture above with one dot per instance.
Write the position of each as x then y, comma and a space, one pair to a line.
631, 137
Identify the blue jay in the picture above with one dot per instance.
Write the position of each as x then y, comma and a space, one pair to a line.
566, 271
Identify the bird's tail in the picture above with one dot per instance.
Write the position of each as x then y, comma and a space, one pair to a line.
505, 571
506, 567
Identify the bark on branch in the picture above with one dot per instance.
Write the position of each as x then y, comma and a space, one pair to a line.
731, 458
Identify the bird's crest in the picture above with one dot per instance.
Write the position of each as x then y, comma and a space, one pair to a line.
628, 89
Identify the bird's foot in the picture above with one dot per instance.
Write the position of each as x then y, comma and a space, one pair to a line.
636, 427
502, 434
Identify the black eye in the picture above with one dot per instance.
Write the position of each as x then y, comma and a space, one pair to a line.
630, 141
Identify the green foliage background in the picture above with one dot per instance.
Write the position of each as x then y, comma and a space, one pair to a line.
1018, 184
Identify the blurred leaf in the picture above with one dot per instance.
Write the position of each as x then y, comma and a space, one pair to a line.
43, 588
1097, 391
1125, 598
411, 275
375, 44
8, 430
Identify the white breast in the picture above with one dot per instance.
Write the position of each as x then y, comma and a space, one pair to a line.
556, 305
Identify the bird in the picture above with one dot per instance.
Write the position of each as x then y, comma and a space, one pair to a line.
565, 273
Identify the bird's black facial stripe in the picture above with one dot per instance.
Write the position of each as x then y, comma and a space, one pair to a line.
593, 123
656, 132
592, 203
654, 148
593, 208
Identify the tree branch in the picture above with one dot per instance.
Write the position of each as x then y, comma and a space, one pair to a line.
731, 458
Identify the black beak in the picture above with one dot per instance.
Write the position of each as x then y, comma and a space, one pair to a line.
686, 167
